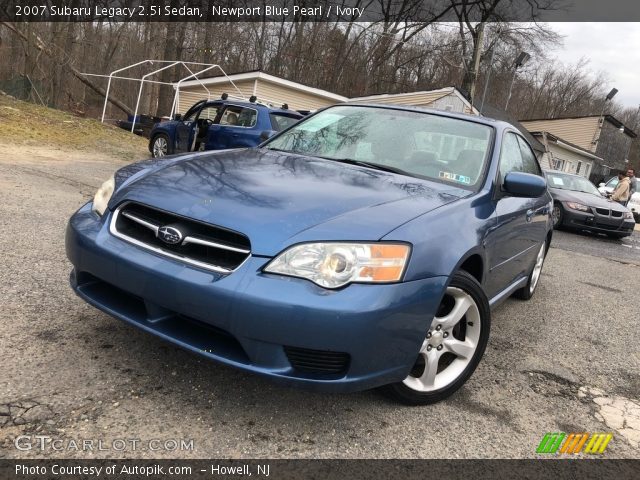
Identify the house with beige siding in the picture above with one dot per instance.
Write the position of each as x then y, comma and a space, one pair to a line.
565, 156
267, 88
605, 137
449, 99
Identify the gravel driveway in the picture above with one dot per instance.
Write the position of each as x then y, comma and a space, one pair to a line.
568, 360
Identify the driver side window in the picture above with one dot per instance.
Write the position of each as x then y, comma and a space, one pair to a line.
209, 112
510, 156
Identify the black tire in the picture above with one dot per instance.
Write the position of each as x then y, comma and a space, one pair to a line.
404, 394
557, 216
157, 137
525, 293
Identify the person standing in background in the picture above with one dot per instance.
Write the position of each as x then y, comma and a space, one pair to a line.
621, 193
631, 174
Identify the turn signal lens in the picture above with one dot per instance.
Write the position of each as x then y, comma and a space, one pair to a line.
334, 265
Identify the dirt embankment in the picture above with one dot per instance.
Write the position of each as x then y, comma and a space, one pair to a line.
53, 132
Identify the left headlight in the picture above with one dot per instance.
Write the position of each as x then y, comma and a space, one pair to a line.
333, 265
578, 206
103, 195
628, 215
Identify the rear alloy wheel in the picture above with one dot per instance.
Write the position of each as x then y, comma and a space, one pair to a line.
526, 292
160, 147
556, 216
453, 346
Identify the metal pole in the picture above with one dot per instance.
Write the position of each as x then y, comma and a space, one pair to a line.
513, 79
106, 99
486, 82
106, 96
142, 80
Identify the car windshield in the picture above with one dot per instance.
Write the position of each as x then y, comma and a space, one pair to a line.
613, 183
448, 150
571, 182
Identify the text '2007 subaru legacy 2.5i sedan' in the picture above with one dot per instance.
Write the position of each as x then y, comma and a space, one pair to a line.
362, 247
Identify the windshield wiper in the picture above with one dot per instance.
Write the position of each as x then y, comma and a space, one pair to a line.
375, 166
278, 150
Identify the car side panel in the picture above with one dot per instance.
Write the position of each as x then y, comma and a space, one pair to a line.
438, 252
482, 228
512, 246
220, 137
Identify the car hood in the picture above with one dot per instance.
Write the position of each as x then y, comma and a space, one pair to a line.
278, 199
588, 199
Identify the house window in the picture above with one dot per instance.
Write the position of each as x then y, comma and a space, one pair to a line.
558, 164
578, 167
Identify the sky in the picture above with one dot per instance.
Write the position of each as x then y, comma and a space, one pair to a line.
613, 48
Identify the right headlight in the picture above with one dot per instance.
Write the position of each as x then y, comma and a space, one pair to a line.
103, 195
334, 265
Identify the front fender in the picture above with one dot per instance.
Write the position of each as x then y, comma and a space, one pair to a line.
445, 238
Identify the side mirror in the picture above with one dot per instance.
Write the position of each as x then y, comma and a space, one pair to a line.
177, 116
267, 134
601, 184
521, 184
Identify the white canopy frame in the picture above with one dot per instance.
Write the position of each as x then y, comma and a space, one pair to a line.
194, 68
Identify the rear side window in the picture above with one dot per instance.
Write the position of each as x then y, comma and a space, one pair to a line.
239, 116
280, 122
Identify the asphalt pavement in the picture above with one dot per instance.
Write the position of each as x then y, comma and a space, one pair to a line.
568, 360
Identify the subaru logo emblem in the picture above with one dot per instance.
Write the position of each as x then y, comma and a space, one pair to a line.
170, 235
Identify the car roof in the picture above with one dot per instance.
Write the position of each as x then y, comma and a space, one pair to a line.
242, 103
491, 122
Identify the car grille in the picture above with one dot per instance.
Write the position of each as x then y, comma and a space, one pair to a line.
616, 214
603, 211
189, 241
322, 362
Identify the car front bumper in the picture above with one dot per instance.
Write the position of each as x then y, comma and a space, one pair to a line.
286, 328
597, 223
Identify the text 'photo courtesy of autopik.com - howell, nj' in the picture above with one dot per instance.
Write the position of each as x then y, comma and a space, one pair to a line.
304, 239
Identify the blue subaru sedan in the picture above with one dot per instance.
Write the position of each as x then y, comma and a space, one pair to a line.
362, 247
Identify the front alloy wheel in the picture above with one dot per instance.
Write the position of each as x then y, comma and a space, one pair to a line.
160, 146
453, 345
526, 292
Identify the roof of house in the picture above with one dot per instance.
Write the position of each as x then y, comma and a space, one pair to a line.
427, 95
609, 118
260, 75
565, 144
